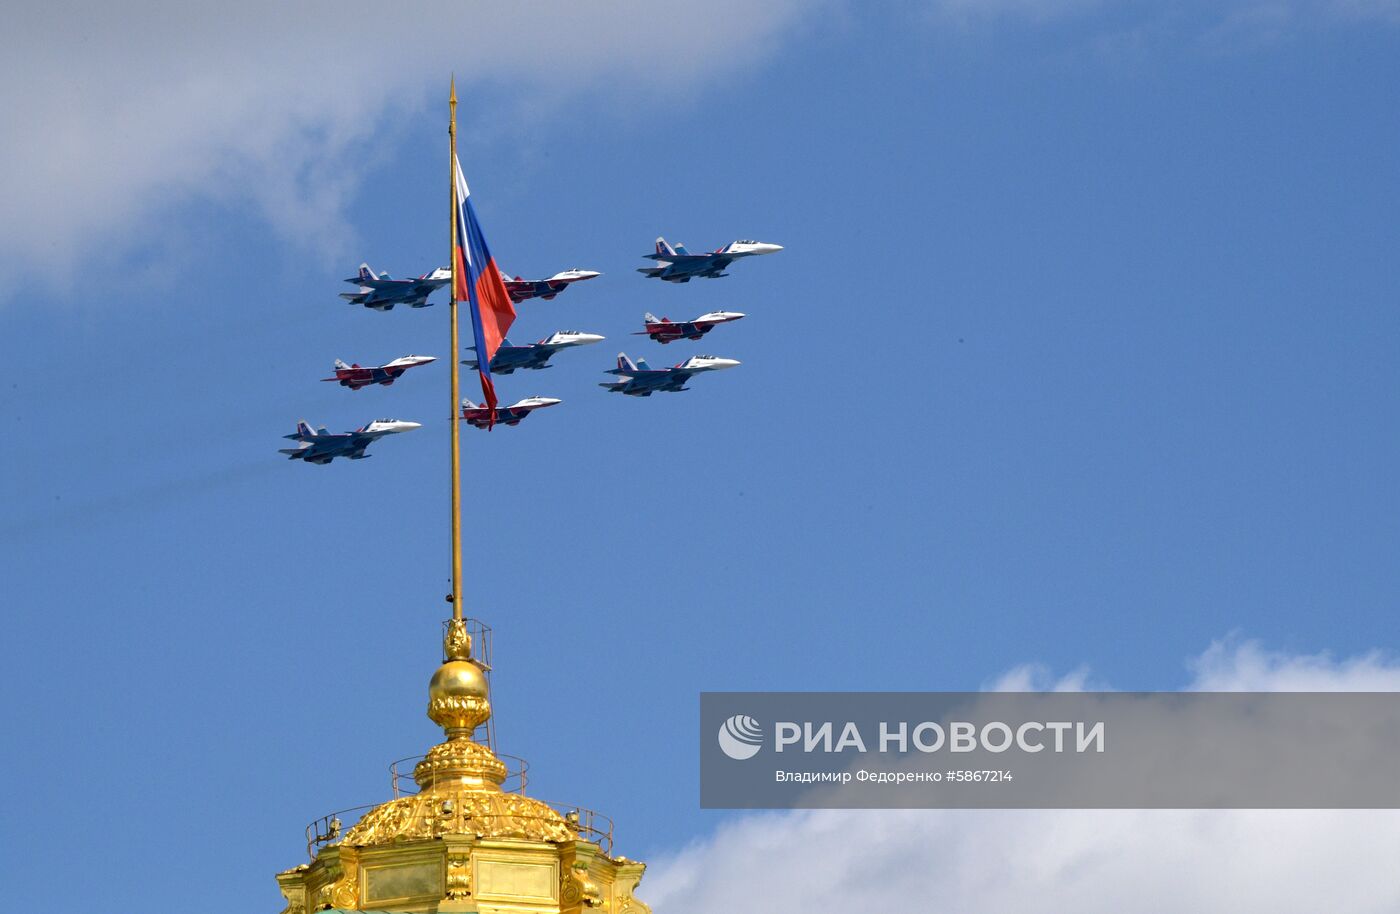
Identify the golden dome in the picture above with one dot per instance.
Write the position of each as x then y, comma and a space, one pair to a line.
464, 812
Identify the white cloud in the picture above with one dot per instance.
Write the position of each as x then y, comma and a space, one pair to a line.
1040, 10
1246, 666
998, 861
116, 112
1037, 677
1119, 28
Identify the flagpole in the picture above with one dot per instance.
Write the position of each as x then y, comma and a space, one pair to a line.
456, 424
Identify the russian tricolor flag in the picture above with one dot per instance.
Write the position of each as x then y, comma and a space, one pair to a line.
476, 279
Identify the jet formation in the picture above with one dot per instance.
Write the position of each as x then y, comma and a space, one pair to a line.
664, 330
356, 376
382, 292
321, 447
641, 380
510, 357
679, 265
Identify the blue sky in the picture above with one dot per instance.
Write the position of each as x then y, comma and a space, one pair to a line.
1080, 353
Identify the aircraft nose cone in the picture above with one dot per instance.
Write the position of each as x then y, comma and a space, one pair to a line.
769, 248
590, 337
726, 363
410, 426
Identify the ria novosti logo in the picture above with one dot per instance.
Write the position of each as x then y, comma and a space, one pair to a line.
740, 737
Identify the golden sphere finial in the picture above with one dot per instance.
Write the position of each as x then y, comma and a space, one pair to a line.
458, 698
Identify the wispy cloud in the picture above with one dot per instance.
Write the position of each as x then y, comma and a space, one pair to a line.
117, 112
1215, 25
997, 861
1042, 10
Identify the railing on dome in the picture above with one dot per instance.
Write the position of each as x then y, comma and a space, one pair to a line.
480, 634
402, 784
328, 828
590, 825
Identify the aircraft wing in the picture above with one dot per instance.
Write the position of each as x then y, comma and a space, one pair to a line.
675, 379
319, 451
678, 258
654, 380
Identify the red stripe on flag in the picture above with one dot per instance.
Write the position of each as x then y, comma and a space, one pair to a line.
497, 310
488, 393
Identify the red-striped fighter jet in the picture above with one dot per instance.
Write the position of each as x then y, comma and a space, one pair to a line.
480, 416
356, 376
665, 330
524, 289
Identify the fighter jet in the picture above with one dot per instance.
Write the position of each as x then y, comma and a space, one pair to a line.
355, 377
679, 265
320, 446
523, 289
534, 355
665, 330
480, 416
380, 292
641, 380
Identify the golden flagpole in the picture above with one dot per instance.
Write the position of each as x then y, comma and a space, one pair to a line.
456, 424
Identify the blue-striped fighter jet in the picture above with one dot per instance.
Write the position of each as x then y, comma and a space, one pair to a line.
641, 380
534, 355
321, 447
679, 265
382, 292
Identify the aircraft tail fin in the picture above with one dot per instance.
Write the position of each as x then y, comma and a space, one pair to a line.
366, 274
651, 318
680, 249
468, 404
663, 248
304, 429
340, 366
642, 364
624, 363
505, 343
